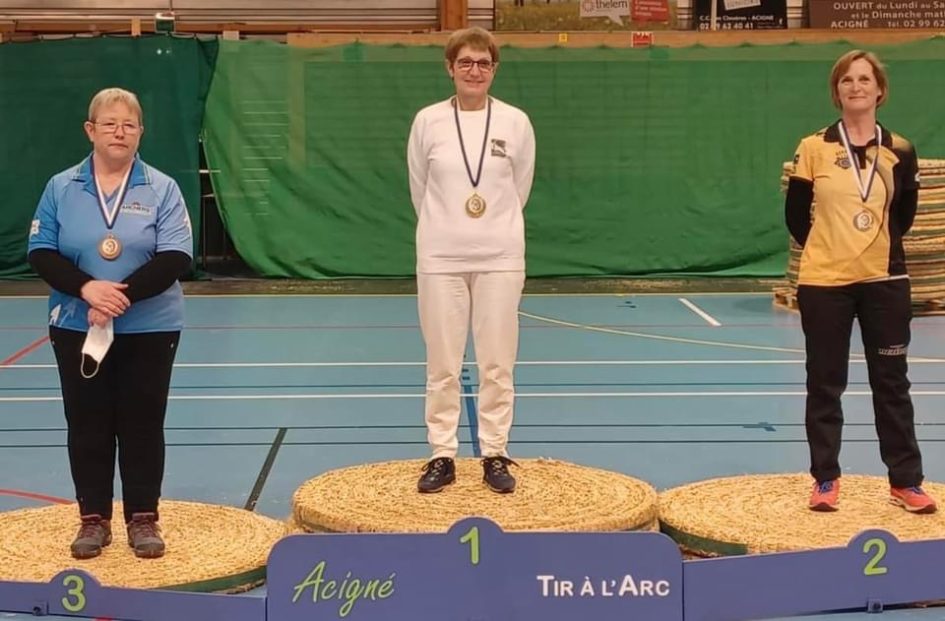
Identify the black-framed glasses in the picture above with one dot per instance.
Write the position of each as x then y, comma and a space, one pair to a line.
110, 127
466, 64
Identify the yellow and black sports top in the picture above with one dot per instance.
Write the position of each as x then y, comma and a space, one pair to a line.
848, 239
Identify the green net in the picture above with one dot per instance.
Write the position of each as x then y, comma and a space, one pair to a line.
45, 89
650, 162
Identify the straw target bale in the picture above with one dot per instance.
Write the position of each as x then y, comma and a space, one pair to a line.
768, 513
550, 495
210, 548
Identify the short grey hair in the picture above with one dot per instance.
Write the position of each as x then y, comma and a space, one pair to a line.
108, 96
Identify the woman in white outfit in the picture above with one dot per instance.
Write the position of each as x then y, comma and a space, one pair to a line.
471, 160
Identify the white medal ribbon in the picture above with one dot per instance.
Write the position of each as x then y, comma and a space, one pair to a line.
112, 214
866, 188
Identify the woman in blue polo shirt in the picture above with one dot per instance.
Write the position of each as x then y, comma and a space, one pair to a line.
111, 236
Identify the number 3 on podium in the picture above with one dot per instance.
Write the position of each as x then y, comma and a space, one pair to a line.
472, 538
75, 596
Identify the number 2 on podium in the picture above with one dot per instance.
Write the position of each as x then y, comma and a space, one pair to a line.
873, 568
472, 538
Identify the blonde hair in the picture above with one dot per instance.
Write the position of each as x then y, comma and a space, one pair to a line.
843, 65
476, 38
109, 96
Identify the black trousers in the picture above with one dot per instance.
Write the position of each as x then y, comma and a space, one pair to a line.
122, 406
884, 311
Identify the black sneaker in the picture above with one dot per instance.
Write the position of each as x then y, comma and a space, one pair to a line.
437, 474
496, 476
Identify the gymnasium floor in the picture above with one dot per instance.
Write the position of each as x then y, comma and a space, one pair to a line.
667, 388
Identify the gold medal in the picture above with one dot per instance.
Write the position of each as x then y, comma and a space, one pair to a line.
475, 206
109, 247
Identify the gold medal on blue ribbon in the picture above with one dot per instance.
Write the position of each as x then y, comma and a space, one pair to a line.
475, 204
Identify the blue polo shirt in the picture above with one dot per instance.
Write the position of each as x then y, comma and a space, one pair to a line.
152, 218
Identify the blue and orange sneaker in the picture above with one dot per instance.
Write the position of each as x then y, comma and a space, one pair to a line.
826, 496
912, 499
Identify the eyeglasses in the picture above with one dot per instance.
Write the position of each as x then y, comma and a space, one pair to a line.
466, 64
110, 127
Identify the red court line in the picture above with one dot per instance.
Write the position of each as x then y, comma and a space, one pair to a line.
33, 496
25, 351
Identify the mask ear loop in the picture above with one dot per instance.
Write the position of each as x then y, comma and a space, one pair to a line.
98, 365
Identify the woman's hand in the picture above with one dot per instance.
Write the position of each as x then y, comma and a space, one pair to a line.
106, 296
97, 318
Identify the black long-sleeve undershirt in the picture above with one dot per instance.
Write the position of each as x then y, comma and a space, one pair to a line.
800, 197
147, 281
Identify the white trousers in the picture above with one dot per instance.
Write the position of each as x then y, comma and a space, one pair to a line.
447, 302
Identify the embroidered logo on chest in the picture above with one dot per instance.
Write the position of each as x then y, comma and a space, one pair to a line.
498, 147
843, 160
136, 209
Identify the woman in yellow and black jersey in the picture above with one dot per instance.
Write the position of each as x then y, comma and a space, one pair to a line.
862, 182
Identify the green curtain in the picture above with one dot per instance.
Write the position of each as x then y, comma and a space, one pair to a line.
650, 161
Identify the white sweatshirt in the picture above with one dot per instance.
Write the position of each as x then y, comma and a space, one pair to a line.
448, 239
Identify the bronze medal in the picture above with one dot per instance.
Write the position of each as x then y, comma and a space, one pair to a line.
109, 247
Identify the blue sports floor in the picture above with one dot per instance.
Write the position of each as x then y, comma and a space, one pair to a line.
667, 388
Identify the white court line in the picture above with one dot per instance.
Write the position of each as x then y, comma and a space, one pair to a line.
527, 395
522, 363
660, 337
712, 321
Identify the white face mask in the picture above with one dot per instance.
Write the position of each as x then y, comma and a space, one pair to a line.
97, 342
